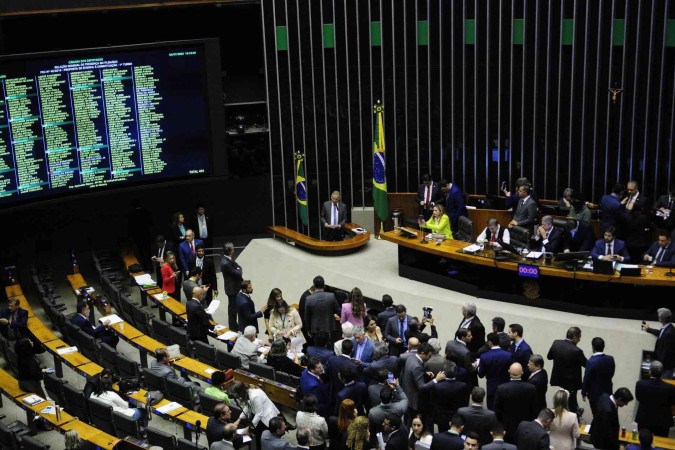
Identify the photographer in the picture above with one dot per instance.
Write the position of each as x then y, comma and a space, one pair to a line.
416, 328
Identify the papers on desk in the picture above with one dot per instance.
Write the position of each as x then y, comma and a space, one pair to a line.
113, 318
620, 266
145, 279
49, 410
534, 255
66, 350
168, 408
473, 248
33, 400
159, 296
587, 428
213, 306
89, 289
210, 371
244, 437
228, 335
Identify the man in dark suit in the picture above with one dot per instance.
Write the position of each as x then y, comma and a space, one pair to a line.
525, 211
605, 426
534, 435
352, 389
337, 363
162, 246
448, 395
14, 320
320, 348
665, 340
81, 319
609, 248
457, 351
394, 331
632, 202
580, 237
428, 194
521, 350
539, 379
187, 251
312, 383
382, 361
412, 381
208, 280
664, 209
246, 313
451, 439
568, 359
662, 251
453, 200
472, 323
322, 311
515, 402
548, 238
477, 419
598, 374
397, 432
232, 276
498, 325
609, 207
656, 398
333, 218
498, 442
388, 313
390, 400
198, 321
494, 365
203, 226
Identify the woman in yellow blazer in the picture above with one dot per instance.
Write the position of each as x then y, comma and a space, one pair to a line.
439, 222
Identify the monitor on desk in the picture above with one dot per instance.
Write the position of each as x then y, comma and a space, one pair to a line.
571, 256
603, 267
508, 247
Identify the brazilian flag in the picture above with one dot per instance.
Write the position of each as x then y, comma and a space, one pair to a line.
379, 166
301, 187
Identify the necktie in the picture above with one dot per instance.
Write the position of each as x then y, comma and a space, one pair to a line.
609, 249
335, 214
192, 247
659, 255
493, 237
428, 200
202, 222
400, 329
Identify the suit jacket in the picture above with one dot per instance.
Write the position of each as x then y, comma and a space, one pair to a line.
609, 211
185, 253
85, 326
454, 204
310, 385
198, 321
494, 365
540, 381
555, 242
269, 441
221, 445
479, 420
448, 396
319, 352
208, 272
522, 356
245, 350
460, 354
20, 323
665, 346
319, 310
384, 316
605, 426
568, 359
436, 193
335, 364
167, 372
582, 240
478, 332
532, 436
326, 213
447, 441
196, 226
390, 363
655, 398
668, 255
357, 392
499, 445
525, 214
618, 248
367, 354
232, 275
598, 377
397, 406
412, 380
246, 313
398, 440
515, 402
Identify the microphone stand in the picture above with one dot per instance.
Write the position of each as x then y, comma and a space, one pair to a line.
423, 240
198, 431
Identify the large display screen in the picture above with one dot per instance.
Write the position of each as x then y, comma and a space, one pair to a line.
91, 119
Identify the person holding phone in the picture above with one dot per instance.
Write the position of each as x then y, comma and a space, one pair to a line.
439, 222
170, 274
208, 280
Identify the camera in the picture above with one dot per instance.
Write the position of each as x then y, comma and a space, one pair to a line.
427, 311
503, 185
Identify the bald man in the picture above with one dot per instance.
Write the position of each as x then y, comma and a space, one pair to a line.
515, 402
198, 321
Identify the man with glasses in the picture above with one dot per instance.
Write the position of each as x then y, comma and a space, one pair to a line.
333, 217
188, 251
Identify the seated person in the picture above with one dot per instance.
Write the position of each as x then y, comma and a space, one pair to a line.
548, 238
92, 382
81, 319
439, 222
580, 238
161, 366
278, 358
104, 392
493, 233
662, 252
566, 200
221, 421
217, 388
14, 320
610, 249
246, 347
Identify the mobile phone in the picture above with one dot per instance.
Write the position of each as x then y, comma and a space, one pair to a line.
427, 311
503, 185
390, 377
49, 370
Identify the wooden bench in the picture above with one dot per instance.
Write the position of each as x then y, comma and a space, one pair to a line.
308, 242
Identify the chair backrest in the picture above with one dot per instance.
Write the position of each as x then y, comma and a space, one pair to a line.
126, 366
160, 438
262, 370
208, 403
226, 360
142, 320
87, 346
564, 224
75, 403
520, 236
288, 379
161, 331
204, 352
126, 425
108, 356
127, 309
181, 393
180, 336
8, 438
465, 231
153, 381
184, 444
12, 359
54, 387
29, 443
101, 415
72, 333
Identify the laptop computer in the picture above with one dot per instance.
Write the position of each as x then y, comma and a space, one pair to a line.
603, 267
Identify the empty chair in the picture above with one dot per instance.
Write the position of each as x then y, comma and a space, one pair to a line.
181, 393
520, 236
160, 438
142, 320
128, 309
206, 353
179, 336
161, 331
107, 356
72, 333
226, 360
465, 231
75, 403
153, 381
54, 387
9, 438
288, 379
262, 370
87, 346
126, 425
101, 415
29, 443
126, 367
12, 359
208, 403
184, 444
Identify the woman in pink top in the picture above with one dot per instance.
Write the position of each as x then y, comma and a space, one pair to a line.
355, 309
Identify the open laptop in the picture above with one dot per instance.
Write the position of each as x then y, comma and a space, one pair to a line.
603, 267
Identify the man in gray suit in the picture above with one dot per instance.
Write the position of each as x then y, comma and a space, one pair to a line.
478, 419
498, 443
392, 401
229, 432
458, 352
412, 380
245, 347
161, 366
322, 310
525, 211
333, 218
271, 439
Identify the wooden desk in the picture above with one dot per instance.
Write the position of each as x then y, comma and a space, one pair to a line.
76, 282
277, 392
10, 386
13, 290
659, 442
41, 332
91, 434
77, 361
355, 242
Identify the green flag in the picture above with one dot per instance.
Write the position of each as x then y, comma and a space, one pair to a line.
379, 166
301, 187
